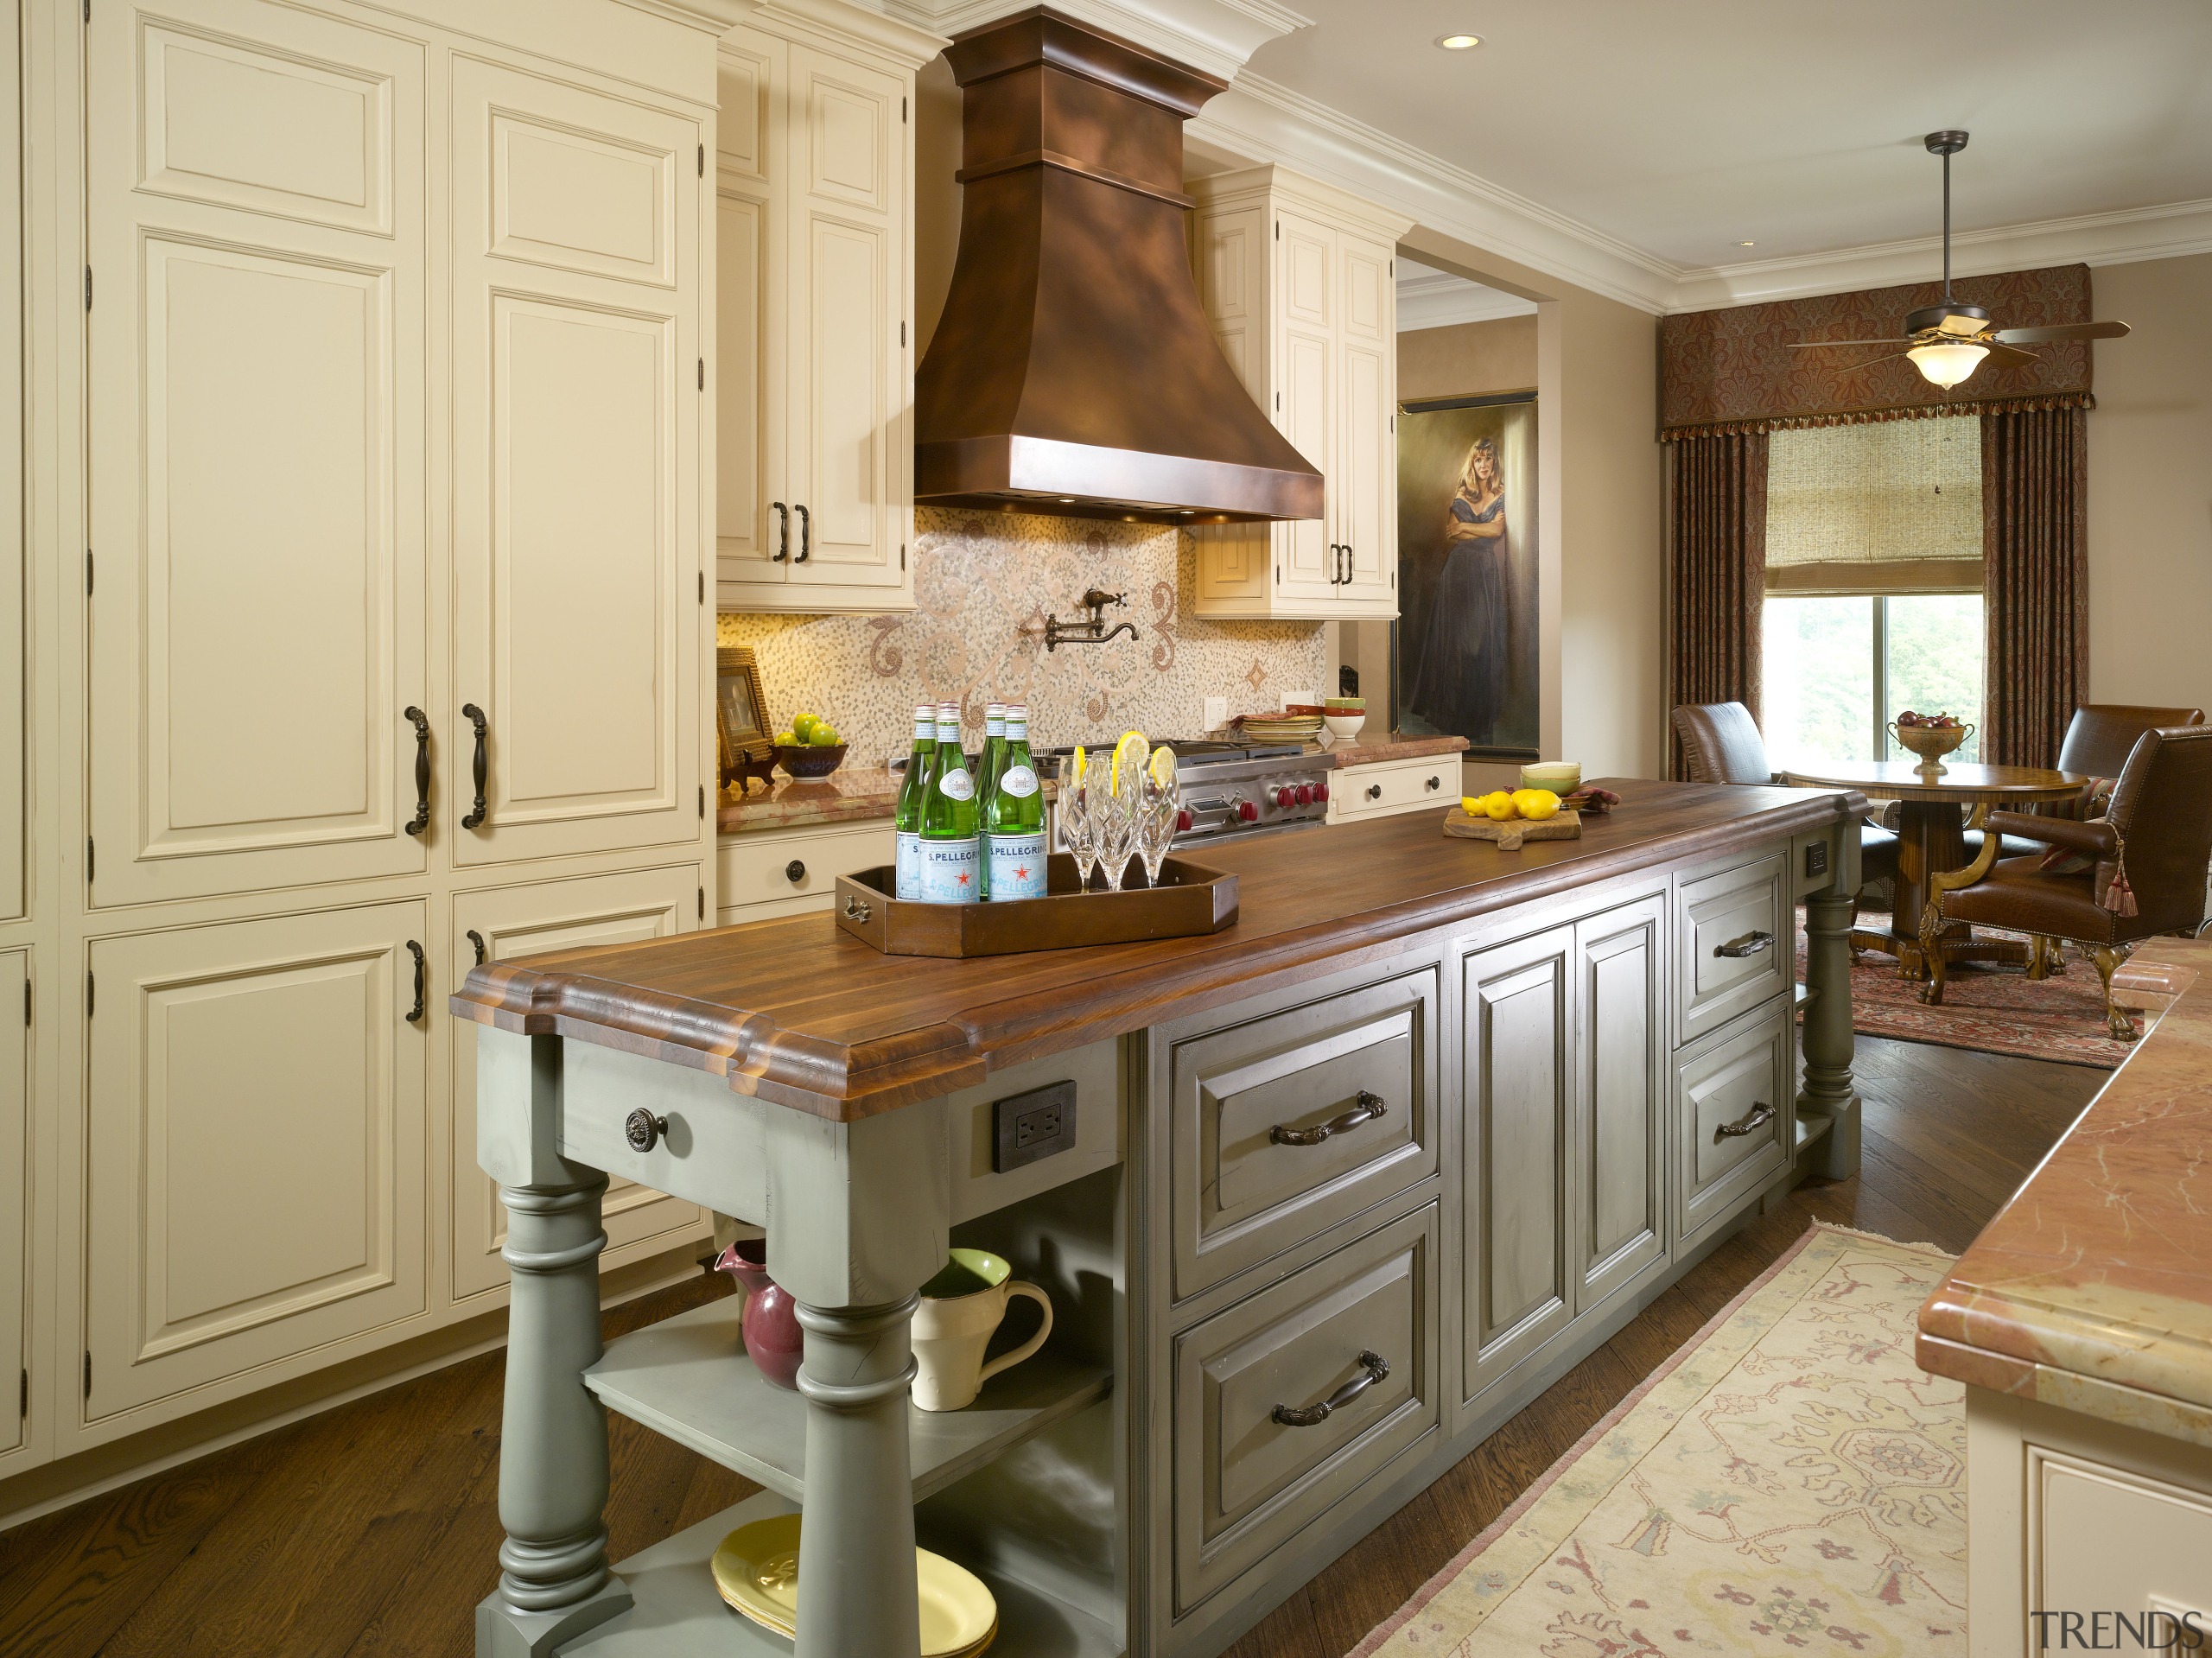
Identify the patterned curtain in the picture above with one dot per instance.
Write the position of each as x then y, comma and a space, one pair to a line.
1716, 545
2035, 573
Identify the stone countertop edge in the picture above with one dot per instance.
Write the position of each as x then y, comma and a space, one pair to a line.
2092, 1289
857, 795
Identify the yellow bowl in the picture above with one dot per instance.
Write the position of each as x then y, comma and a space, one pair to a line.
756, 1571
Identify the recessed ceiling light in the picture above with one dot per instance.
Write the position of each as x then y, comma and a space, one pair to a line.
1747, 244
1459, 42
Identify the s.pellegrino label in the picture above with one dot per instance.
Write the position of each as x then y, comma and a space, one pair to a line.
907, 816
988, 768
951, 862
1013, 820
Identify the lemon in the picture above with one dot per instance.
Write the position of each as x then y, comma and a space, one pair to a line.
1540, 805
1471, 804
802, 727
787, 739
822, 734
1500, 806
1162, 766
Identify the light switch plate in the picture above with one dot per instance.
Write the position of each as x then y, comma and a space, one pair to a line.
1216, 714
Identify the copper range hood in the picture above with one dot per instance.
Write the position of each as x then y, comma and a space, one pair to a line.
1074, 371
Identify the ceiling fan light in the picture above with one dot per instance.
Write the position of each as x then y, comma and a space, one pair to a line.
1948, 362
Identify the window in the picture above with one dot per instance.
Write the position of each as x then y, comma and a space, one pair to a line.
1873, 602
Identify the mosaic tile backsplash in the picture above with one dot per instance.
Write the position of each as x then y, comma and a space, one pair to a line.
983, 585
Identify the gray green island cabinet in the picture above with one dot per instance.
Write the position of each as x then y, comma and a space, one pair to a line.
1425, 1125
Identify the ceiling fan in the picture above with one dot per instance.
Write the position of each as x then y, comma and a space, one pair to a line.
1947, 341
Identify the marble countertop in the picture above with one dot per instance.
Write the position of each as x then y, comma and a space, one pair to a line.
853, 793
2092, 1289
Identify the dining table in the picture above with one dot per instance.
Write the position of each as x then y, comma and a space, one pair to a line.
1933, 805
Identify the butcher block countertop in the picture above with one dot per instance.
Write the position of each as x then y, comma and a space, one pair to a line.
2092, 1289
798, 1012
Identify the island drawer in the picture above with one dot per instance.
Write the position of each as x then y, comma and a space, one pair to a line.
1246, 1481
1391, 786
1285, 1125
764, 872
1734, 944
1728, 1147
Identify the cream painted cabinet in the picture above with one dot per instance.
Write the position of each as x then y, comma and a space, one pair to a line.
1298, 279
814, 356
256, 428
578, 378
505, 922
254, 1145
15, 1184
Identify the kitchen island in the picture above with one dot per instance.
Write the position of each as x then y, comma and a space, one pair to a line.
1424, 1127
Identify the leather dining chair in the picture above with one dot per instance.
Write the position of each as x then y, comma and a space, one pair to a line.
2099, 739
1722, 744
2158, 833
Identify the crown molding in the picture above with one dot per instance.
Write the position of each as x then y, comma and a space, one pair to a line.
2123, 237
714, 16
1216, 36
1443, 300
888, 32
1257, 118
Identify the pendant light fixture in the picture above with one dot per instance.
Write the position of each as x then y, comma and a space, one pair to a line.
1946, 362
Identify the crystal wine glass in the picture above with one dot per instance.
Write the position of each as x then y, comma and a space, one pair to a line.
1116, 829
1161, 808
1078, 828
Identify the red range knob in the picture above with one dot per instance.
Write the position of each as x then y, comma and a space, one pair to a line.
1247, 812
1283, 796
1321, 791
1303, 794
1184, 820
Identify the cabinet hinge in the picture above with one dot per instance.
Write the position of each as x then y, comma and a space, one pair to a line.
23, 1392
1278, 230
88, 269
27, 1001
88, 572
702, 903
89, 988
703, 161
1278, 575
1278, 402
702, 374
1393, 267
88, 1372
902, 555
702, 586
902, 333
902, 111
89, 856
703, 800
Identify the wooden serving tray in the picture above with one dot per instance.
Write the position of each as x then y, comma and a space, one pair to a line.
1509, 835
1190, 899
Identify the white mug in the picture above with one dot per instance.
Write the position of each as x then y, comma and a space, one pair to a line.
950, 1331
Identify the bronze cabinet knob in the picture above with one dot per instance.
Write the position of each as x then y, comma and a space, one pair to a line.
1374, 791
795, 872
644, 1130
1435, 782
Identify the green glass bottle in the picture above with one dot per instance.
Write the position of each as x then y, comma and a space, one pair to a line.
950, 851
908, 814
988, 766
1013, 819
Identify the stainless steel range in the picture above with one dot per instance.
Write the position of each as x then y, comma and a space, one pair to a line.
1235, 788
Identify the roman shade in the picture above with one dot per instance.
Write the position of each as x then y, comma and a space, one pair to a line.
1893, 506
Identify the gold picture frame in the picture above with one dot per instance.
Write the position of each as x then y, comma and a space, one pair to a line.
741, 723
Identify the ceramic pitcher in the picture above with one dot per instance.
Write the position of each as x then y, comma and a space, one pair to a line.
960, 1309
769, 1317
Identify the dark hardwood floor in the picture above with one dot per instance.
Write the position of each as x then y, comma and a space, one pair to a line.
372, 1529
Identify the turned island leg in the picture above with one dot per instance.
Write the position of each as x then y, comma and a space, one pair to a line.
1828, 1041
856, 1552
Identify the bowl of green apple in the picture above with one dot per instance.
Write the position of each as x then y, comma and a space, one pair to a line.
810, 748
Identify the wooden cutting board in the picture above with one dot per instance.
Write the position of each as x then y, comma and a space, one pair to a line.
1509, 835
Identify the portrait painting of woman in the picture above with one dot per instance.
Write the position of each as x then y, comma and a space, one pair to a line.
1466, 634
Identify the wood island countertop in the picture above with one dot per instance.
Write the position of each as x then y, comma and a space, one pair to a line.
2092, 1289
799, 1013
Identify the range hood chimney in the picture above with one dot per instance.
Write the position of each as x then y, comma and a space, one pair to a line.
1074, 371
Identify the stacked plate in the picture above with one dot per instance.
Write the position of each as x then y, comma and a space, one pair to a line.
1280, 727
756, 1569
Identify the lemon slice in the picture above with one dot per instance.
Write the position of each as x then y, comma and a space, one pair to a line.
1162, 766
1076, 765
1133, 745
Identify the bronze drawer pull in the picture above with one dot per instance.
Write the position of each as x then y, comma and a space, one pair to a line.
422, 983
420, 820
1374, 1367
783, 533
1756, 1118
474, 715
1371, 1107
1749, 944
855, 909
642, 1128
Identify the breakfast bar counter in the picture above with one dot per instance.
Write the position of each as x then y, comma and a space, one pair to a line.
1319, 1201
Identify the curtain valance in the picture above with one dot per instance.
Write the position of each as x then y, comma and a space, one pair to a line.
1733, 370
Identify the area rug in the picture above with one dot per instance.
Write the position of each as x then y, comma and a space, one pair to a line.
1789, 1481
1991, 1008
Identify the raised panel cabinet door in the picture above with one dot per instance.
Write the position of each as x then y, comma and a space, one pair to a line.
849, 376
1308, 393
750, 540
1620, 1087
1365, 479
12, 747
257, 518
255, 1095
577, 394
498, 925
15, 1184
1516, 1272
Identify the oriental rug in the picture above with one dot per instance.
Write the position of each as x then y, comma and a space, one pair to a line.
1789, 1481
1992, 1008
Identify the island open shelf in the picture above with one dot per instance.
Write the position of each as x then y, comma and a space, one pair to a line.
678, 1613
689, 1378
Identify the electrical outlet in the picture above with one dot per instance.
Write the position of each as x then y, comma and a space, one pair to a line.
1216, 714
1816, 858
1029, 1126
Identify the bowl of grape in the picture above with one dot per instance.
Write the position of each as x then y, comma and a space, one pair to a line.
811, 748
1931, 736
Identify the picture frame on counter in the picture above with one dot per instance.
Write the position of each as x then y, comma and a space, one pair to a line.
742, 731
